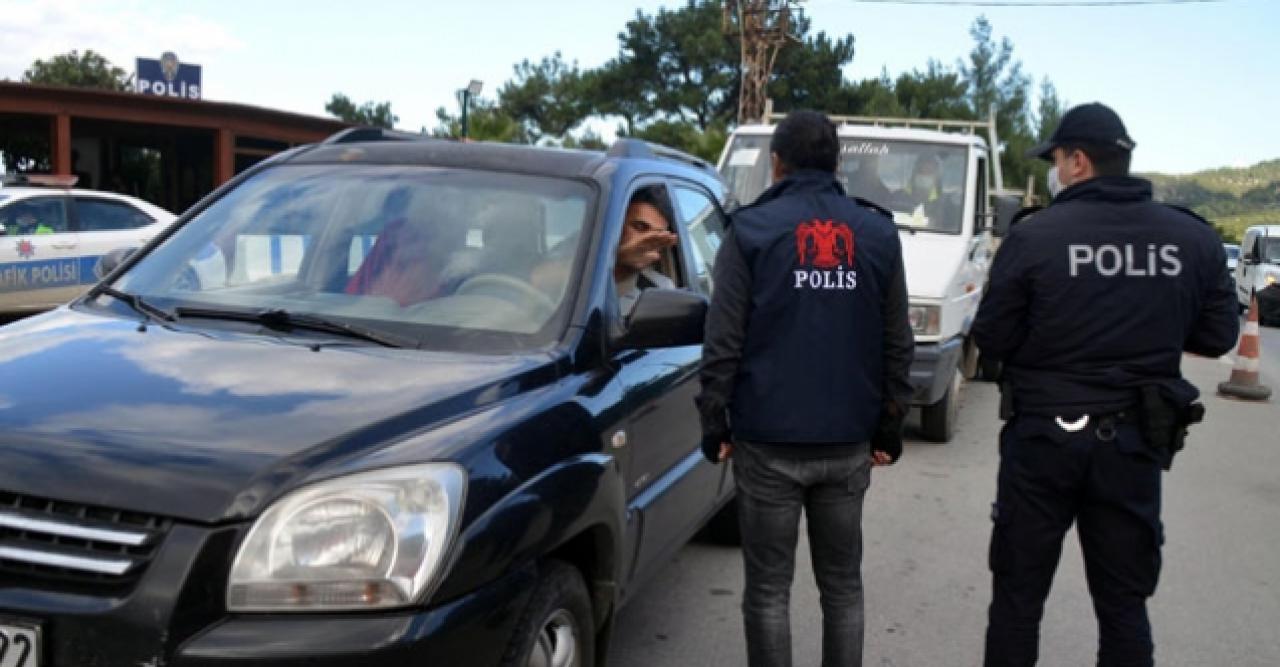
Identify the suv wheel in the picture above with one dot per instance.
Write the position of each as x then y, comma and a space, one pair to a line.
556, 628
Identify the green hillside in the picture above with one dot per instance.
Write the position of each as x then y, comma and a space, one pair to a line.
1231, 198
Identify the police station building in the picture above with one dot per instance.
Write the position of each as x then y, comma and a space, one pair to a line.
162, 144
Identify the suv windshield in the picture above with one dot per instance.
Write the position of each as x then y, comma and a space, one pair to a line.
446, 258
921, 183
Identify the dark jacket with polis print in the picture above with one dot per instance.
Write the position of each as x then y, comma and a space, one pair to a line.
807, 336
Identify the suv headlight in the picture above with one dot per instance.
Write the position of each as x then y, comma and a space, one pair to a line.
926, 320
367, 541
1271, 278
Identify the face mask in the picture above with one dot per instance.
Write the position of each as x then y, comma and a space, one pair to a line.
924, 184
1055, 185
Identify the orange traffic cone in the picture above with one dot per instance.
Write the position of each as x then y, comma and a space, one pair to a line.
1244, 382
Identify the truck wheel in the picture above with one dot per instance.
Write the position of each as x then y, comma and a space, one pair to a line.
723, 527
971, 360
556, 628
938, 421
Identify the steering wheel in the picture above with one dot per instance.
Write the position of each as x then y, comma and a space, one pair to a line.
509, 289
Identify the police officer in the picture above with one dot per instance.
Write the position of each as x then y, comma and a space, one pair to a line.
1091, 304
805, 382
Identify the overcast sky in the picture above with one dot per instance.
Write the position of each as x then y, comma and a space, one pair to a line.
1195, 83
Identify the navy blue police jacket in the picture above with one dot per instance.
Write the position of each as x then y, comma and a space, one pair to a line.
1100, 293
807, 335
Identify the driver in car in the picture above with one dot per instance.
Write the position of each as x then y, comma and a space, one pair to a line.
924, 194
925, 187
646, 233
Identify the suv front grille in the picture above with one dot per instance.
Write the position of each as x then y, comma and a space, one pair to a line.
66, 544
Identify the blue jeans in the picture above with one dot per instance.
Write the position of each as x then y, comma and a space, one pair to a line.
771, 492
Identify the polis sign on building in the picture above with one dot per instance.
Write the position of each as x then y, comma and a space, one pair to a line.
167, 77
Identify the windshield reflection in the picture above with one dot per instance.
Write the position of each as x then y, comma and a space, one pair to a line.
435, 255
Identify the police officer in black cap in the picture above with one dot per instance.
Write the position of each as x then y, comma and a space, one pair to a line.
1091, 304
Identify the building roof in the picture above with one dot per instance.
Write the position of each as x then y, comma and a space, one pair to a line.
243, 119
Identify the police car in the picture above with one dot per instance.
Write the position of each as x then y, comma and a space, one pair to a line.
52, 234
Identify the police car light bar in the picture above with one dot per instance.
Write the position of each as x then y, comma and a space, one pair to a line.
42, 180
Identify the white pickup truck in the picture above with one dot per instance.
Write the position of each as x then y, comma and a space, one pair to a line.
941, 183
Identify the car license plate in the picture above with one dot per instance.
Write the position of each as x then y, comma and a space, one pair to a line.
19, 644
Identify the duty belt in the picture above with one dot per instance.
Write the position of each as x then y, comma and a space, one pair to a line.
1106, 424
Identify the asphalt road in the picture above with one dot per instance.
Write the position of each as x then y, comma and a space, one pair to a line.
925, 573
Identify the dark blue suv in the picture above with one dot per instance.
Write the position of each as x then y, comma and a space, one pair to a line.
372, 402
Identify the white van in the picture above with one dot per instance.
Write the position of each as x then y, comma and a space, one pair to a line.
939, 180
1259, 265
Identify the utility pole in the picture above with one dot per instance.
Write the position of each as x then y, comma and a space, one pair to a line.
763, 28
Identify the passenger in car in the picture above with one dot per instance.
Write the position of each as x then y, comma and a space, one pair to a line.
865, 182
400, 265
646, 233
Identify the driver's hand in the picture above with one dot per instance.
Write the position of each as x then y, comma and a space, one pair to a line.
645, 248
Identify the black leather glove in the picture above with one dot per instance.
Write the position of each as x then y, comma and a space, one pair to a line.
711, 445
888, 435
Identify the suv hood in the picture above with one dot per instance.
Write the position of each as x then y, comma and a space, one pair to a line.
179, 423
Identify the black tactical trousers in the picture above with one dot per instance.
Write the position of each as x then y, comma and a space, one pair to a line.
1108, 482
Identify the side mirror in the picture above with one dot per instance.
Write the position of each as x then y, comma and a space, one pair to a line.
664, 318
1007, 207
111, 261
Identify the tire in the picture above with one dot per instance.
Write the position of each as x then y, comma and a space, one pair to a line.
938, 421
723, 528
556, 628
970, 361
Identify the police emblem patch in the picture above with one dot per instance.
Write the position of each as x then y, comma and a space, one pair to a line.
826, 247
26, 249
824, 244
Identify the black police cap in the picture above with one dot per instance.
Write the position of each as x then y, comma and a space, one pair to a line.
1092, 123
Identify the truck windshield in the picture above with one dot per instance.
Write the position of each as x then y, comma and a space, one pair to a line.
1269, 249
446, 258
923, 184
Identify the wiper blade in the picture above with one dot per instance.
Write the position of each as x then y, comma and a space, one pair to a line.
280, 319
137, 303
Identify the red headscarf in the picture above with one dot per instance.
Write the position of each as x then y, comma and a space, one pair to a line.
387, 271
